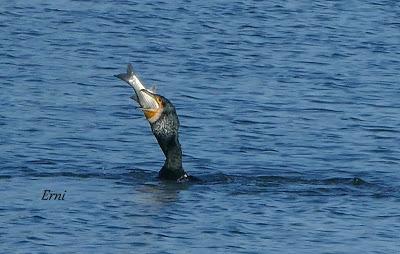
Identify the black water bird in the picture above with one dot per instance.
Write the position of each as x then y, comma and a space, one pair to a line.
164, 122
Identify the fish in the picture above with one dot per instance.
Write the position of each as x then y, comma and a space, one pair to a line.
146, 101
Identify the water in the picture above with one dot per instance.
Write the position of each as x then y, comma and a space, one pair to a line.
289, 114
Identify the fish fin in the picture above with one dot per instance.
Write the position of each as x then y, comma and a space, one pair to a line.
135, 98
153, 89
128, 75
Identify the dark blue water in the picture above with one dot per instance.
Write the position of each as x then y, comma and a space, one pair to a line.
289, 114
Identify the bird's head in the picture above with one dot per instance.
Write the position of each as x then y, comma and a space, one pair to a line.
163, 120
164, 107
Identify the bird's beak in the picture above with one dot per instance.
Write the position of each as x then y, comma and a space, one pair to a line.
152, 113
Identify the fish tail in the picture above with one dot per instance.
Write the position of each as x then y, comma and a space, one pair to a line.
129, 75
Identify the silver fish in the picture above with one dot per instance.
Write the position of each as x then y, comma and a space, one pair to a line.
144, 99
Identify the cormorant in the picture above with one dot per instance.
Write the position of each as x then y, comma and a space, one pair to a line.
164, 122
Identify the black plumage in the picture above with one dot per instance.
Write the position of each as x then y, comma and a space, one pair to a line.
165, 129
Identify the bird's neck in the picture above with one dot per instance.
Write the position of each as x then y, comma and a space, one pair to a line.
172, 168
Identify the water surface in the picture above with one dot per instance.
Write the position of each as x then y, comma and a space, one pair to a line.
289, 114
